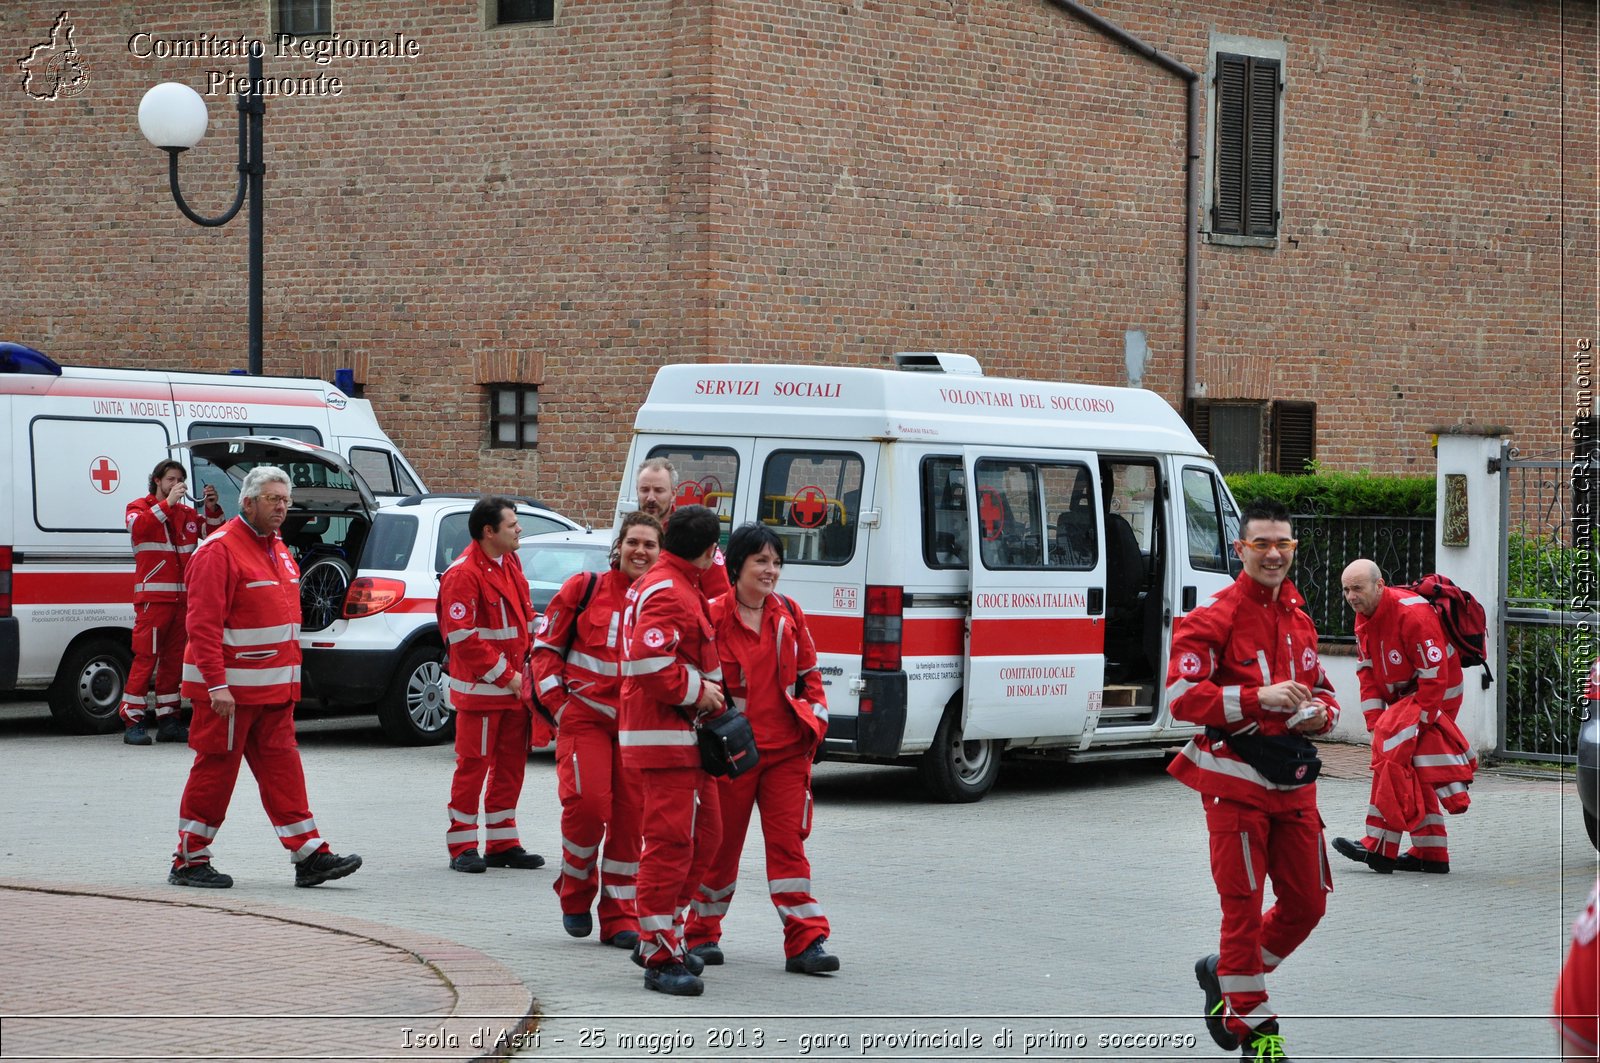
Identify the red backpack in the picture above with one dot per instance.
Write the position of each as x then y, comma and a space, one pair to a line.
1460, 615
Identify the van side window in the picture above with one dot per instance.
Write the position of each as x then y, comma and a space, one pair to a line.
812, 499
706, 477
1202, 511
946, 539
1035, 514
374, 466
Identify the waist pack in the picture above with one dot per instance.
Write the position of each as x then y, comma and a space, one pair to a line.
727, 745
1286, 760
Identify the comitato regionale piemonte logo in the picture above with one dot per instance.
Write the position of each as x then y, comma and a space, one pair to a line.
54, 69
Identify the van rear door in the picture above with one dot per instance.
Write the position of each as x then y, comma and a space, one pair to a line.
1035, 660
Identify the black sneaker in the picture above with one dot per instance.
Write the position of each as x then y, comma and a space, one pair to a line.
814, 960
1351, 850
171, 729
673, 978
470, 862
204, 876
1427, 867
694, 964
516, 857
1264, 1045
1205, 972
709, 952
622, 939
579, 926
136, 735
318, 868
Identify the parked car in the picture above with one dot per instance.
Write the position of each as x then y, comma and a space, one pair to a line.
369, 582
549, 559
1589, 757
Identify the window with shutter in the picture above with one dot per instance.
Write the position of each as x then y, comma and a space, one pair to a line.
1245, 160
1294, 437
1231, 431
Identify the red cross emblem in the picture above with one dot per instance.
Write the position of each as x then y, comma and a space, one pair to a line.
690, 494
104, 475
991, 514
809, 507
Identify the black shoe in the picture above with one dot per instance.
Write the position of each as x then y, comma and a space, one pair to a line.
202, 875
812, 961
1383, 865
470, 862
622, 939
673, 978
1427, 867
579, 926
1265, 1045
318, 868
136, 735
695, 965
1205, 972
709, 952
1354, 850
516, 857
171, 729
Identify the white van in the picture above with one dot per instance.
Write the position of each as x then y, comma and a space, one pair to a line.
987, 564
79, 446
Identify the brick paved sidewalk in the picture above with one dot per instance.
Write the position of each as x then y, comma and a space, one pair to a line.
115, 973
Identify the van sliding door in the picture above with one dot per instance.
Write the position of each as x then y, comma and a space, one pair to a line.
1036, 634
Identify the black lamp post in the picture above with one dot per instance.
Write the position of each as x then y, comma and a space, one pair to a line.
172, 116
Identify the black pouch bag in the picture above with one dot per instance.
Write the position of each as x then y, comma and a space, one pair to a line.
1287, 760
727, 745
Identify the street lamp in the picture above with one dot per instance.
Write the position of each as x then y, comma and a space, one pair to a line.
172, 116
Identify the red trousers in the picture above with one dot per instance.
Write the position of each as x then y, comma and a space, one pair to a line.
263, 735
159, 636
682, 828
780, 785
491, 757
1250, 845
599, 800
1428, 840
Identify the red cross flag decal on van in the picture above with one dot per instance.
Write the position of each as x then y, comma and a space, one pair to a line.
809, 507
690, 494
991, 513
104, 475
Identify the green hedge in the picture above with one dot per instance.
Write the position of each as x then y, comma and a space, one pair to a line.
1355, 494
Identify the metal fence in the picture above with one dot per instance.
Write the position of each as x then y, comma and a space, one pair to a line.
1402, 547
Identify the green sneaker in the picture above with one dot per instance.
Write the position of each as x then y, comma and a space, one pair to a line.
1265, 1045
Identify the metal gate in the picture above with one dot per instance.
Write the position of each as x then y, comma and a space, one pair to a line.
1547, 611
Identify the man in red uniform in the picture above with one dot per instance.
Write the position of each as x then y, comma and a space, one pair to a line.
165, 531
1407, 667
1245, 665
486, 620
241, 670
672, 677
657, 491
1577, 998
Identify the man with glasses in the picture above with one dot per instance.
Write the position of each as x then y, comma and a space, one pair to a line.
1245, 665
241, 669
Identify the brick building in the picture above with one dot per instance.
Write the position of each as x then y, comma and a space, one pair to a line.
1397, 215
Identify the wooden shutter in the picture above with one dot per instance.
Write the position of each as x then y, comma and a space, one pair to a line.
1198, 415
1294, 437
1245, 193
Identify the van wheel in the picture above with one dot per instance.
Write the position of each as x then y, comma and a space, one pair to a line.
323, 586
414, 710
88, 687
958, 771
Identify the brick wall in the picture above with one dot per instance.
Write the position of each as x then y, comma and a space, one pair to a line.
652, 182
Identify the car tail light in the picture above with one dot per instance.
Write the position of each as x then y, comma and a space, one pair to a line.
371, 595
5, 581
881, 637
1594, 684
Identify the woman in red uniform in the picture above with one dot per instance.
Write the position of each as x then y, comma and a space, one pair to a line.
577, 671
769, 668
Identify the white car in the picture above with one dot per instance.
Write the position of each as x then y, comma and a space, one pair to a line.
550, 558
369, 582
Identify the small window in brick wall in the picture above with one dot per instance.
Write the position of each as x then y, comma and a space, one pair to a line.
508, 12
1294, 437
303, 18
514, 416
1245, 182
1232, 432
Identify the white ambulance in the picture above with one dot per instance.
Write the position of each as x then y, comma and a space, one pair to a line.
79, 446
988, 565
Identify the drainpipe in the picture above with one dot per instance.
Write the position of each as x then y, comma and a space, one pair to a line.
1191, 184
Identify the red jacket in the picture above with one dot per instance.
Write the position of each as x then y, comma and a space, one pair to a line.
486, 621
1404, 652
782, 649
164, 537
1222, 654
577, 660
1577, 997
671, 650
1408, 755
243, 618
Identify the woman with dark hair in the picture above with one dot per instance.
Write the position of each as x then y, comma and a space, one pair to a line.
769, 668
577, 658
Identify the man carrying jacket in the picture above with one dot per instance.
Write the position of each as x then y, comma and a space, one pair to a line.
1245, 664
241, 670
672, 677
1411, 688
486, 621
165, 531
